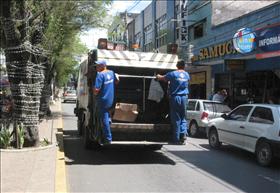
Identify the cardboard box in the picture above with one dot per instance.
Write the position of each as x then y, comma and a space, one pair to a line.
125, 112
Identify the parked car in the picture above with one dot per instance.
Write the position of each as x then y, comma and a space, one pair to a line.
252, 127
70, 95
200, 112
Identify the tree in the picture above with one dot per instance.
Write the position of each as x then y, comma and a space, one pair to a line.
39, 38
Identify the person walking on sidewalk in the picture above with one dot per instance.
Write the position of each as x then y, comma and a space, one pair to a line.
104, 90
178, 98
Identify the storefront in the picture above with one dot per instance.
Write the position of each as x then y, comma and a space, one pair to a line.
247, 65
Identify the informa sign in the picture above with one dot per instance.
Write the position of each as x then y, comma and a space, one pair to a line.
268, 42
244, 40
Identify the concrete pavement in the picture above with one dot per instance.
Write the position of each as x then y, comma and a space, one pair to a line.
39, 169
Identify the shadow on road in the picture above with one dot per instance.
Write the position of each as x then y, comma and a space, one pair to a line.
234, 166
113, 154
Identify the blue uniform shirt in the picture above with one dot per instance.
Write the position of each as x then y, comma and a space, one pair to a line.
105, 81
179, 81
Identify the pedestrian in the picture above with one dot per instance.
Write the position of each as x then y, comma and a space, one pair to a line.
104, 90
220, 96
178, 97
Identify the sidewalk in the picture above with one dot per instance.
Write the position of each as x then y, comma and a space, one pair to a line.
33, 169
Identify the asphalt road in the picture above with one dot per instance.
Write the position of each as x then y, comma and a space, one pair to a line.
191, 168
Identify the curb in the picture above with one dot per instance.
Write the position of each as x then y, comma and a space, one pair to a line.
27, 149
60, 176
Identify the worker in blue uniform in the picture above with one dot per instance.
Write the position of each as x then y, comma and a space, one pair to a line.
103, 88
178, 98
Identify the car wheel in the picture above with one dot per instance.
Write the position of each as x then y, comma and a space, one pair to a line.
193, 129
264, 153
213, 139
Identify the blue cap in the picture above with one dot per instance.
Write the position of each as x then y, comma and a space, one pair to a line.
101, 62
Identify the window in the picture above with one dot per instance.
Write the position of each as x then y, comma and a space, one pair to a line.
161, 31
148, 34
216, 107
198, 31
240, 114
262, 115
191, 106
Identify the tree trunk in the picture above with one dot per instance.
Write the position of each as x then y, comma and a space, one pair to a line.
25, 71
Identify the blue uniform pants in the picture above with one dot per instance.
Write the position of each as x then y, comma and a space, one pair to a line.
178, 115
105, 119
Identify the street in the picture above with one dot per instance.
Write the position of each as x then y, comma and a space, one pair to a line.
191, 168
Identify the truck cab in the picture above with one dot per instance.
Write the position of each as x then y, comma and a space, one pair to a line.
136, 116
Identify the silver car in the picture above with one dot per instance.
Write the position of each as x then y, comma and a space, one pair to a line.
200, 112
70, 95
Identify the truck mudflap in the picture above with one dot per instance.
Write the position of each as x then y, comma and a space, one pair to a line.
141, 132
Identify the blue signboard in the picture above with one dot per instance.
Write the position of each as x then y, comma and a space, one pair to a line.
244, 40
268, 39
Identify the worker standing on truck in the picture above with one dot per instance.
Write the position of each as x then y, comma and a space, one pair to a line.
178, 98
104, 90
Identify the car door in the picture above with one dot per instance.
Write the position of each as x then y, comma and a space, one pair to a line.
231, 130
260, 122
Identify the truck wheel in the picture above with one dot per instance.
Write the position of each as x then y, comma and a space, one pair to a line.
86, 139
213, 139
154, 147
80, 123
264, 153
193, 129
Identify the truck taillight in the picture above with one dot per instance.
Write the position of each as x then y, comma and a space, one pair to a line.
204, 115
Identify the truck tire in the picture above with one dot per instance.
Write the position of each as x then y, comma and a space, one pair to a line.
154, 147
80, 123
86, 139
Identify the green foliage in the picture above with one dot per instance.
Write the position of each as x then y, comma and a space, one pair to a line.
117, 21
66, 20
5, 137
45, 142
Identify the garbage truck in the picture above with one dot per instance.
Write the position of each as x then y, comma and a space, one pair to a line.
140, 113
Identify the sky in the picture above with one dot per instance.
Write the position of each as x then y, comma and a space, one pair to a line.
91, 37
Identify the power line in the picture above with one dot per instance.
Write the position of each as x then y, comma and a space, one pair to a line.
135, 4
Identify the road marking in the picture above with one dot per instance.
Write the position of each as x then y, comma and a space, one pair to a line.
60, 177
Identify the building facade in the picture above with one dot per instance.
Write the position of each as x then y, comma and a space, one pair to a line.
204, 31
248, 75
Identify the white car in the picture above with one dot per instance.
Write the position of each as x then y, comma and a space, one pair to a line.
200, 112
70, 95
252, 127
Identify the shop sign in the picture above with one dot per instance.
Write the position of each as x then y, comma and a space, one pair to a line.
244, 40
198, 78
215, 51
269, 42
269, 39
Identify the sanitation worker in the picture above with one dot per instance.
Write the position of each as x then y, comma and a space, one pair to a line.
104, 90
178, 99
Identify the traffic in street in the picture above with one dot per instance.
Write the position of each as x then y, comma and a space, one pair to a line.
193, 167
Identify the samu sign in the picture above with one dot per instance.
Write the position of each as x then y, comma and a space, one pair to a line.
215, 51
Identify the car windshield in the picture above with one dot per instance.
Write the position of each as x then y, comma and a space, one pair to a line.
216, 107
71, 92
